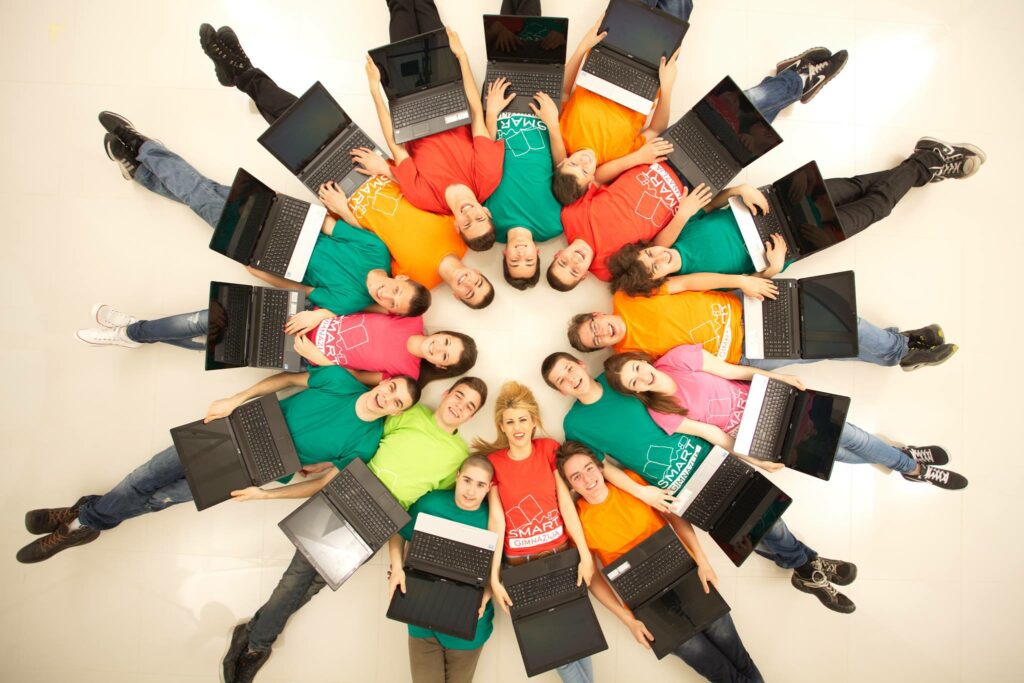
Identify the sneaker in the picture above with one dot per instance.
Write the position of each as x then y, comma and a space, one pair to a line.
216, 52
238, 644
239, 60
818, 586
927, 455
947, 149
249, 663
46, 520
925, 337
815, 54
919, 358
936, 476
108, 316
817, 74
123, 129
836, 571
106, 336
118, 152
61, 539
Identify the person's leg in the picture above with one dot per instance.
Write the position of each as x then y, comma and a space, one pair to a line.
426, 660
427, 18
702, 656
880, 346
580, 671
299, 583
875, 195
271, 100
178, 330
857, 446
677, 8
460, 665
167, 174
723, 635
522, 8
775, 93
783, 548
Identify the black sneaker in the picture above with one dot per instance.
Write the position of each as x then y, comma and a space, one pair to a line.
123, 129
925, 337
927, 455
238, 60
819, 73
238, 644
818, 586
118, 152
936, 476
815, 54
216, 52
837, 571
46, 520
956, 160
249, 663
61, 539
936, 355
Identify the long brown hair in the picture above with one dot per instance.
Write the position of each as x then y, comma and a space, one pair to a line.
659, 403
513, 396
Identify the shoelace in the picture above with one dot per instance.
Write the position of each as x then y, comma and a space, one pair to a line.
951, 167
921, 454
813, 69
936, 475
819, 580
827, 566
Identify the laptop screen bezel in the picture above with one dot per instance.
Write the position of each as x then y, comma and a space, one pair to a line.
562, 22
379, 56
818, 464
426, 580
286, 118
853, 342
806, 248
212, 335
586, 619
206, 493
747, 107
660, 15
244, 188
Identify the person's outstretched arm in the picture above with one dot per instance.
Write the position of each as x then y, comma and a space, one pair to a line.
476, 108
277, 281
751, 285
574, 528
271, 385
398, 152
547, 112
572, 67
606, 596
662, 111
303, 489
496, 523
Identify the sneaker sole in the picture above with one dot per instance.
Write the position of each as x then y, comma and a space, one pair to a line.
96, 346
932, 365
814, 93
786, 63
803, 589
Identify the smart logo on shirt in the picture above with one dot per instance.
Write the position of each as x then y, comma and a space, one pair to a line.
670, 467
522, 134
378, 194
529, 526
660, 198
337, 335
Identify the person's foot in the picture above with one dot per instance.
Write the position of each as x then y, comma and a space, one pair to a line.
217, 53
814, 54
919, 358
106, 336
950, 149
46, 520
61, 539
817, 74
119, 153
837, 571
936, 476
239, 60
108, 316
249, 663
927, 455
956, 160
239, 642
925, 337
817, 584
123, 129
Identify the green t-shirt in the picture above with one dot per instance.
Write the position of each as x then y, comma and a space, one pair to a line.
416, 456
338, 266
712, 243
442, 504
619, 426
523, 198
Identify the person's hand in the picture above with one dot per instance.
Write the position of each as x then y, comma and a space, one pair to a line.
455, 43
640, 632
249, 493
586, 570
332, 197
667, 69
754, 199
592, 37
305, 348
759, 288
552, 40
791, 380
221, 408
500, 595
315, 468
506, 40
372, 74
497, 100
775, 252
654, 150
706, 574
396, 579
483, 602
369, 162
696, 199
769, 466
545, 109
302, 322
658, 499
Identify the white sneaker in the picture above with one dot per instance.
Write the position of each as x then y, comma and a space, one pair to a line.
108, 316
106, 336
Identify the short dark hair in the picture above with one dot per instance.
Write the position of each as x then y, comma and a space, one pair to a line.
420, 301
628, 274
414, 388
549, 364
557, 284
570, 449
488, 297
477, 385
521, 283
566, 187
478, 461
575, 340
430, 372
482, 242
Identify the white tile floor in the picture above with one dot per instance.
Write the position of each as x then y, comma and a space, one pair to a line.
154, 601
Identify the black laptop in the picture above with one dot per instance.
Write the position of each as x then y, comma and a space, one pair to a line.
723, 134
658, 581
246, 327
553, 619
530, 53
423, 82
314, 139
342, 526
800, 429
813, 317
250, 447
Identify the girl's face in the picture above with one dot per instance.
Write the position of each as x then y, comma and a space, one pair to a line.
517, 425
442, 350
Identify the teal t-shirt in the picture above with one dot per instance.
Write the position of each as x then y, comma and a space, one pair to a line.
712, 243
442, 504
338, 266
523, 198
620, 426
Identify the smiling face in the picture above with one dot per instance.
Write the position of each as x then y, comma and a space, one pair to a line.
638, 376
585, 477
458, 406
517, 425
393, 294
471, 487
660, 262
571, 264
472, 219
442, 350
601, 331
470, 285
581, 165
521, 254
570, 378
390, 397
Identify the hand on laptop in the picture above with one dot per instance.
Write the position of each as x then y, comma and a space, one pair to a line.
304, 321
657, 498
586, 569
640, 632
545, 109
249, 493
368, 163
667, 70
754, 199
791, 380
500, 595
775, 253
396, 579
758, 287
315, 468
695, 200
372, 74
655, 150
497, 99
483, 602
221, 408
707, 575
455, 43
592, 37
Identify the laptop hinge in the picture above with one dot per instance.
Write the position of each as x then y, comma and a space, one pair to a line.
241, 445
252, 329
799, 339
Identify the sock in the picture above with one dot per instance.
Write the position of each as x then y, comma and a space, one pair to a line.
75, 525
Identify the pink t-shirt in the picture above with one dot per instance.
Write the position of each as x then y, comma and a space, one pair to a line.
708, 398
372, 342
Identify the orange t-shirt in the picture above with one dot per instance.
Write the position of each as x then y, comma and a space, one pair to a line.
417, 239
594, 122
658, 323
619, 524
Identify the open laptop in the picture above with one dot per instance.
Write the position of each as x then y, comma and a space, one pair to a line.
801, 210
624, 66
250, 447
343, 525
735, 504
446, 571
658, 581
800, 429
553, 619
314, 139
246, 327
269, 231
723, 134
530, 53
423, 82
813, 317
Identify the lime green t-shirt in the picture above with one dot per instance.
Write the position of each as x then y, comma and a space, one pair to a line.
523, 198
442, 504
338, 266
416, 456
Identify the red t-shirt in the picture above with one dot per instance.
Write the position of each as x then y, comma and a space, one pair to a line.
372, 342
636, 206
533, 523
453, 157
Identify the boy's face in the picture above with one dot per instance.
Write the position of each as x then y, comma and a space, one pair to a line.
390, 397
660, 262
472, 484
472, 219
571, 264
458, 406
603, 330
581, 165
470, 285
586, 478
521, 254
571, 378
393, 294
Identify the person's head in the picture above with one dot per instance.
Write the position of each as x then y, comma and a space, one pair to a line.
641, 267
592, 331
447, 354
471, 287
473, 221
473, 482
573, 175
521, 259
634, 374
582, 471
570, 265
516, 419
398, 295
566, 374
461, 401
393, 396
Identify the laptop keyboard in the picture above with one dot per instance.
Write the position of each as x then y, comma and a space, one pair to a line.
236, 308
768, 224
543, 588
467, 559
769, 422
283, 235
273, 314
261, 444
527, 83
689, 138
621, 74
337, 166
407, 112
357, 502
778, 335
728, 474
653, 572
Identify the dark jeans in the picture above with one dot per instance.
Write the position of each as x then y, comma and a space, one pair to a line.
783, 548
677, 8
412, 17
299, 583
865, 199
718, 654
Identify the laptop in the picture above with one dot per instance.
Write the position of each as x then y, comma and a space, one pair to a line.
446, 570
423, 82
246, 327
314, 139
269, 231
553, 619
735, 504
345, 523
624, 66
533, 61
813, 317
800, 429
250, 447
802, 211
658, 581
723, 134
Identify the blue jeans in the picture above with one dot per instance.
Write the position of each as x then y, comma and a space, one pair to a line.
677, 8
783, 548
859, 447
775, 93
177, 330
156, 484
164, 172
299, 583
881, 346
717, 654
580, 671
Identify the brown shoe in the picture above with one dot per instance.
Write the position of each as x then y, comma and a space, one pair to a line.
46, 547
46, 520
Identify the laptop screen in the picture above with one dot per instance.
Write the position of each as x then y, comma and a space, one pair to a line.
244, 212
418, 63
228, 325
436, 604
540, 40
211, 459
327, 540
818, 419
828, 305
307, 127
736, 123
738, 549
558, 636
641, 33
812, 215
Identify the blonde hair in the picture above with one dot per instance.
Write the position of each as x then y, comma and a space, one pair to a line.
513, 396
